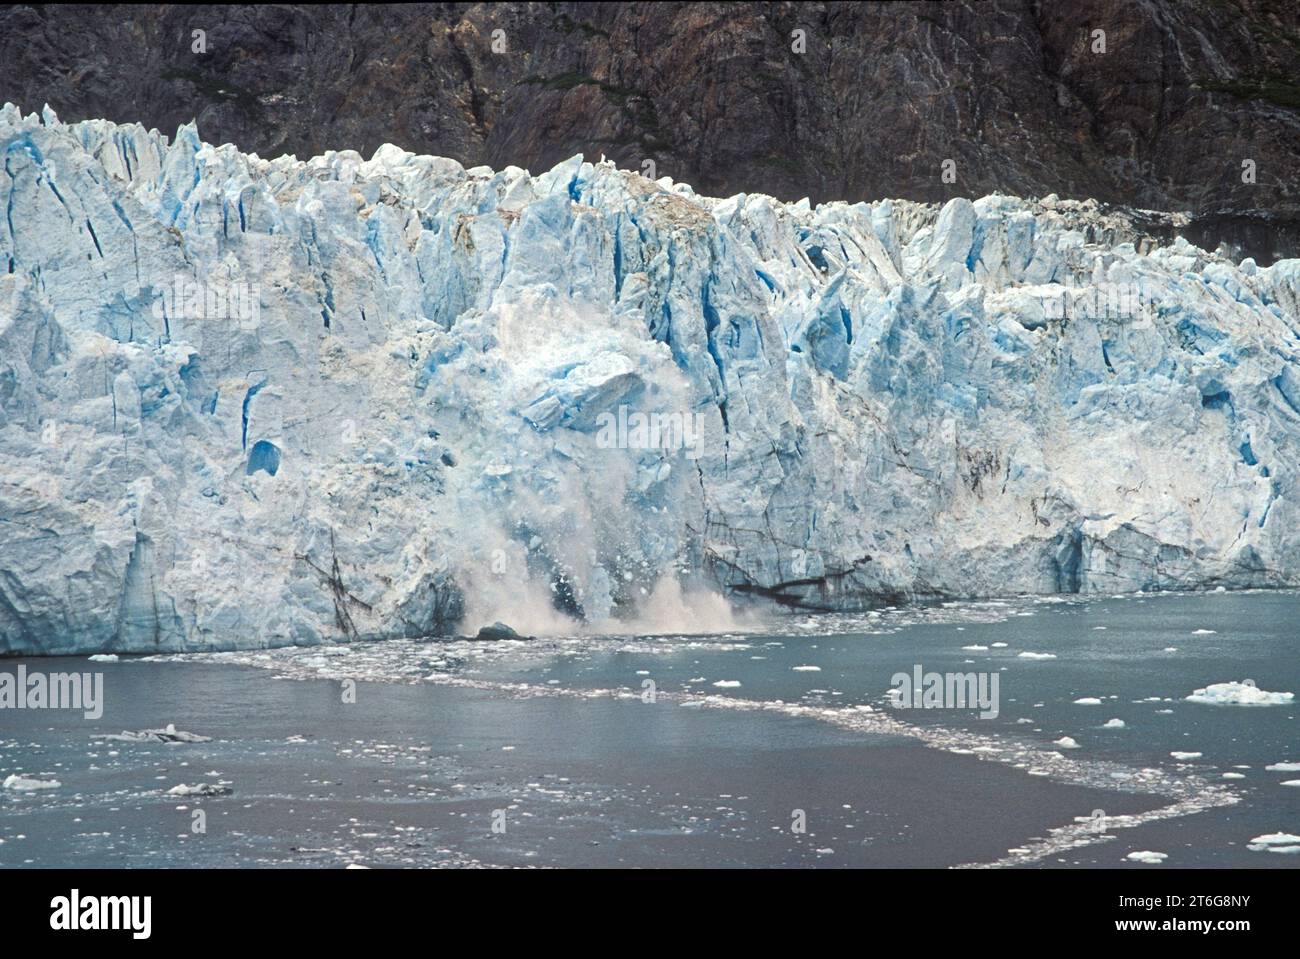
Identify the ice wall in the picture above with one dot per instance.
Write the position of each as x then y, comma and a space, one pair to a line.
249, 402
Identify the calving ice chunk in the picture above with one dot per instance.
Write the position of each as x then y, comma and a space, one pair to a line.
251, 402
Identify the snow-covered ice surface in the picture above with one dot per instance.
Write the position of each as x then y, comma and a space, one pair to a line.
375, 407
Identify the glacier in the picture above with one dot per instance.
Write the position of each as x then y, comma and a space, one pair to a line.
250, 402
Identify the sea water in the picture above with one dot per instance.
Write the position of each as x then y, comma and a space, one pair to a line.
778, 745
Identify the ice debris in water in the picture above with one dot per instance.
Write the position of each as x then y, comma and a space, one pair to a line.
1146, 856
26, 784
201, 789
1244, 693
169, 734
1279, 842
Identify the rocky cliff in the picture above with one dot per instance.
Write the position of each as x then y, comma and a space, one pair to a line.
1146, 104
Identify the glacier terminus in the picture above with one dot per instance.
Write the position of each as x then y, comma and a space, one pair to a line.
250, 402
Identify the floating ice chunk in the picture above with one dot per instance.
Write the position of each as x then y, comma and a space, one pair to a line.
727, 683
1098, 627
104, 658
1281, 842
1244, 693
1291, 782
999, 645
1146, 856
1234, 776
976, 648
1184, 755
1204, 632
806, 669
25, 784
201, 789
1028, 655
1113, 724
1283, 767
1065, 742
1088, 701
168, 734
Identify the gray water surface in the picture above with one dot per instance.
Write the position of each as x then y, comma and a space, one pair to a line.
556, 752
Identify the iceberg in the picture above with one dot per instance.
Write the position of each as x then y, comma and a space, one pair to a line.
28, 784
1147, 857
252, 402
1278, 842
200, 789
1244, 693
167, 734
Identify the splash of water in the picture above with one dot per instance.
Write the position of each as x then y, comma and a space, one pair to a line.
670, 608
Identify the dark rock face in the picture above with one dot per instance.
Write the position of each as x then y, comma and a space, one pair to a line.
498, 631
1016, 93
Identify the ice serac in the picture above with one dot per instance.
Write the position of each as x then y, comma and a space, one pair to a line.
252, 402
